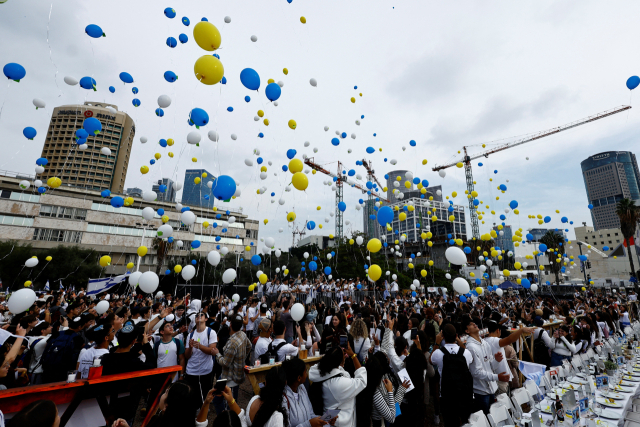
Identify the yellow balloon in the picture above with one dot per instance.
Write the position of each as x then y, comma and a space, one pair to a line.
165, 219
196, 180
424, 161
452, 218
144, 169
105, 260
266, 122
304, 21
375, 272
208, 69
459, 164
517, 265
54, 182
584, 289
292, 124
429, 234
263, 278
430, 263
300, 181
263, 169
374, 245
170, 154
291, 216
410, 265
286, 272
205, 224
194, 159
402, 216
260, 113
320, 225
142, 251
204, 174
423, 273
295, 165
27, 283
407, 184
318, 208
429, 243
479, 290
48, 258
250, 288
128, 201
423, 236
266, 221
270, 81
351, 241
207, 36
353, 100
130, 266
247, 248
331, 236
177, 268
170, 142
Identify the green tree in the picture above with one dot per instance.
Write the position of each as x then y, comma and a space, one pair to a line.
555, 244
629, 215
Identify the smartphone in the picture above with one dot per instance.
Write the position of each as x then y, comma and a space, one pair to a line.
220, 386
414, 333
344, 341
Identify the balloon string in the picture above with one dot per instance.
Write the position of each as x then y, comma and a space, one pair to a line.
55, 77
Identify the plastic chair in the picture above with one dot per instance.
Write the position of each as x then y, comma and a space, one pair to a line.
629, 423
504, 400
532, 388
478, 419
633, 416
521, 396
635, 405
499, 416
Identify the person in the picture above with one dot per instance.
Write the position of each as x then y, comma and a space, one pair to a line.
37, 346
455, 407
561, 345
266, 409
200, 345
339, 390
265, 328
61, 353
298, 405
101, 335
232, 360
169, 350
394, 289
360, 335
497, 343
289, 323
40, 413
386, 389
284, 349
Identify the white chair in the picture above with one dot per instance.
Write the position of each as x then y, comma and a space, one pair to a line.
499, 416
635, 405
632, 416
478, 419
532, 388
521, 396
628, 423
504, 400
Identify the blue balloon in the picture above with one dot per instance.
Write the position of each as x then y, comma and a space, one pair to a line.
311, 225
160, 211
88, 83
224, 187
199, 117
229, 109
117, 202
605, 248
183, 38
412, 143
351, 172
136, 102
476, 202
503, 187
170, 76
186, 21
478, 281
41, 190
96, 32
371, 150
247, 98
304, 263
416, 180
134, 90
160, 113
385, 216
273, 91
513, 204
170, 13
256, 260
14, 71
467, 250
335, 141
105, 193
42, 161
204, 20
480, 164
463, 298
582, 258
285, 168
172, 42
344, 134
503, 217
152, 161
250, 79
261, 135
302, 269
590, 206
126, 77
342, 206
163, 143
259, 160
167, 272
564, 219
525, 283
291, 153
195, 244
29, 132
194, 262
92, 125
313, 266
542, 247
224, 80
369, 185
547, 219
162, 188
529, 236
327, 270
633, 82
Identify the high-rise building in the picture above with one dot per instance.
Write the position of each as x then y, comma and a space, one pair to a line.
89, 168
169, 193
505, 238
608, 178
134, 192
537, 233
197, 194
392, 178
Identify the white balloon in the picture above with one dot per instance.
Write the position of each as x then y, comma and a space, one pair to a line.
305, 255
164, 101
393, 161
254, 39
358, 122
489, 262
148, 213
256, 151
275, 103
525, 264
278, 252
455, 255
134, 278
270, 242
70, 81
165, 231
177, 186
24, 184
280, 83
148, 282
31, 262
394, 277
248, 162
193, 137
227, 19
224, 250
143, 139
313, 82
460, 285
353, 136
416, 283
188, 272
256, 118
534, 287
235, 298
448, 276
214, 258
21, 300
329, 256
326, 128
229, 276
39, 103
442, 173
188, 217
39, 169
83, 147
179, 243
149, 195
234, 136
213, 135
483, 268
210, 184
499, 292
297, 312
102, 307
280, 230
266, 250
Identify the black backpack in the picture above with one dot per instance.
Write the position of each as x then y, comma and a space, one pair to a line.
60, 354
540, 351
271, 352
457, 382
316, 395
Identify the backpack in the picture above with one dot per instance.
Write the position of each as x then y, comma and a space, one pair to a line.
457, 382
540, 351
271, 352
60, 353
316, 396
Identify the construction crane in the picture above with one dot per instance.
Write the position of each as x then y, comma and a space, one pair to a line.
340, 180
466, 160
299, 232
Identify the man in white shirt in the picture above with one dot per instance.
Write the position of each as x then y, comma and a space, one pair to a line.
169, 350
394, 289
200, 344
264, 329
286, 349
252, 315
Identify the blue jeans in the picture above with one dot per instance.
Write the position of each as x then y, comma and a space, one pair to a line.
556, 359
484, 401
220, 404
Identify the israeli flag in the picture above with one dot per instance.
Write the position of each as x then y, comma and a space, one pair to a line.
97, 286
46, 287
61, 287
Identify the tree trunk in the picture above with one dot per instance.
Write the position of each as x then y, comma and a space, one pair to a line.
633, 270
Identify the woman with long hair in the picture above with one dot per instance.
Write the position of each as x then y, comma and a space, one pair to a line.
266, 409
362, 342
331, 333
581, 340
561, 345
387, 390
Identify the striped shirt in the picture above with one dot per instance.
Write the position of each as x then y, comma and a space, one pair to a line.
384, 402
298, 407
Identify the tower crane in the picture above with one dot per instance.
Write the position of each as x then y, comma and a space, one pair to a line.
466, 160
340, 180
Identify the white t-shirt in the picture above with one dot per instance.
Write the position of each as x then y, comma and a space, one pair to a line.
394, 287
502, 366
437, 356
284, 288
168, 353
86, 359
200, 363
285, 350
303, 288
262, 346
253, 311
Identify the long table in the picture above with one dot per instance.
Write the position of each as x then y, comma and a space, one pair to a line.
257, 374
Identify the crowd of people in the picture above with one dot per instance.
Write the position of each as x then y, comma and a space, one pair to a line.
386, 357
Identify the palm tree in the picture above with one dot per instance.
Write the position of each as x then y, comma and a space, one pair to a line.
162, 247
629, 215
555, 244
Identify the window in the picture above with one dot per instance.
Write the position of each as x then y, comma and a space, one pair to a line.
16, 220
63, 212
49, 235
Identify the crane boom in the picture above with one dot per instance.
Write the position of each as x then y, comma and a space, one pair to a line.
539, 135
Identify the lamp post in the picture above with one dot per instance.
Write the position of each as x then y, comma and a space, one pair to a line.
584, 264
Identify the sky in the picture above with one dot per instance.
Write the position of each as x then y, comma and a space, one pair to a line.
446, 75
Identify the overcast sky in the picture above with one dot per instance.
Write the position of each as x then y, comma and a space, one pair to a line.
442, 74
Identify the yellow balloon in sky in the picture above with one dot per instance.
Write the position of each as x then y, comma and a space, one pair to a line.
331, 236
170, 142
431, 263
454, 194
263, 169
130, 266
285, 71
410, 265
374, 245
424, 161
351, 241
204, 174
353, 100
196, 180
265, 221
170, 154
142, 251
54, 182
205, 224
459, 164
177, 268
295, 165
165, 219
303, 20
402, 216
157, 156
247, 248
452, 218
105, 260
48, 258
208, 69
270, 81
128, 201
250, 288
266, 122
423, 273
320, 225
375, 272
207, 36
300, 181
260, 113
27, 283
144, 169
517, 265
291, 216
292, 124
407, 184
263, 278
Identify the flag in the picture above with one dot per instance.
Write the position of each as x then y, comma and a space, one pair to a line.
46, 287
97, 286
61, 287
